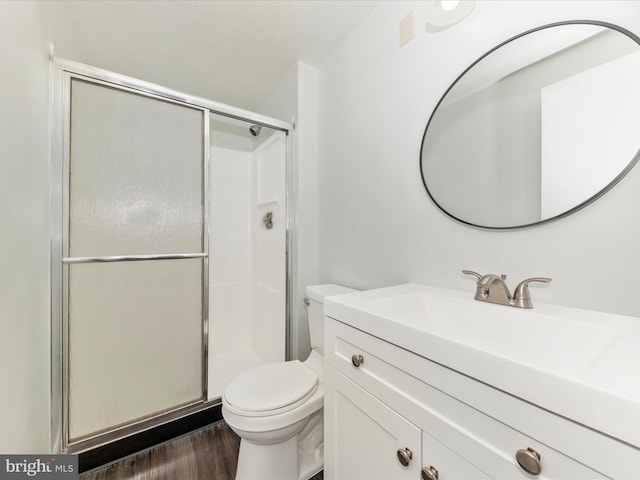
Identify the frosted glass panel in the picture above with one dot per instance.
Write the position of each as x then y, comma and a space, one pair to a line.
135, 341
135, 174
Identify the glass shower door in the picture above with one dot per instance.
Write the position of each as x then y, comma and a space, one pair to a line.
135, 257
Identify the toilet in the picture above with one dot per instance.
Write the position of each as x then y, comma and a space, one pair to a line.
277, 408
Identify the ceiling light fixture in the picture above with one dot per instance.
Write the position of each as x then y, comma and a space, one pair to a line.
442, 14
449, 5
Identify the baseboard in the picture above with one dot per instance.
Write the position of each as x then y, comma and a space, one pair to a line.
105, 454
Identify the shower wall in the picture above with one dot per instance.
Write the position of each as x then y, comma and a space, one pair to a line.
247, 264
268, 333
230, 265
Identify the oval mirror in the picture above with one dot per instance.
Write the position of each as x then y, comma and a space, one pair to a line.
537, 128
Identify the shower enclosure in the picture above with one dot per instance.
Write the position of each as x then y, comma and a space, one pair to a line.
170, 273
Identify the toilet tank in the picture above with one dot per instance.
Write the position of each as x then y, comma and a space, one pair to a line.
316, 294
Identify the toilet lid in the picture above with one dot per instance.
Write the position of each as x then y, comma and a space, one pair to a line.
271, 388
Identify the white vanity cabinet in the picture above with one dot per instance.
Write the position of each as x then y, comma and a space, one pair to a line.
370, 441
383, 401
367, 435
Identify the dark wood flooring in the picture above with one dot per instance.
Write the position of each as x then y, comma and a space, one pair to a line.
210, 453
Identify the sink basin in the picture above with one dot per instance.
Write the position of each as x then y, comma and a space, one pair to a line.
502, 330
579, 364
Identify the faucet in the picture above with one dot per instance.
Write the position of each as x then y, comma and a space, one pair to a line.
492, 288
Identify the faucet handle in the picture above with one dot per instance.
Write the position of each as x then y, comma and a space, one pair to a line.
469, 272
478, 276
521, 295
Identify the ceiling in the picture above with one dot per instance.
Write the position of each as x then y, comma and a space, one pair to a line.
230, 51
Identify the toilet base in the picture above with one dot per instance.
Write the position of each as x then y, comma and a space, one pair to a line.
299, 458
311, 446
268, 462
310, 463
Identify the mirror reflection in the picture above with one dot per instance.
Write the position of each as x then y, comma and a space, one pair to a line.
537, 128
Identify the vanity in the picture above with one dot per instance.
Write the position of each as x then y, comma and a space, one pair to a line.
423, 382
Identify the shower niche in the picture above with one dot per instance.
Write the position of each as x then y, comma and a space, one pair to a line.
247, 255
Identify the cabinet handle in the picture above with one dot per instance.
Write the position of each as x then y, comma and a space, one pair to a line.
357, 360
404, 456
529, 461
430, 473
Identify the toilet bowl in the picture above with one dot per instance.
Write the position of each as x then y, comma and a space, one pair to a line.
277, 408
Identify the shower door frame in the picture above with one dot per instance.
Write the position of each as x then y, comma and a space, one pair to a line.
62, 73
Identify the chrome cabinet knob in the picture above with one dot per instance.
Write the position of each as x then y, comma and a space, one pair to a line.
430, 473
404, 456
357, 360
529, 461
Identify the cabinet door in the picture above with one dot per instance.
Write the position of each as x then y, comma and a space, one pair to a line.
363, 436
447, 464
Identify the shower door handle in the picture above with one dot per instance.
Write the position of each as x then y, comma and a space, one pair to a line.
268, 220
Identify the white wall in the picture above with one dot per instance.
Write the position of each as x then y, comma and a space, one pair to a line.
24, 238
378, 227
296, 96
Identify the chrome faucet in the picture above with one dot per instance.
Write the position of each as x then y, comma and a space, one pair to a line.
492, 288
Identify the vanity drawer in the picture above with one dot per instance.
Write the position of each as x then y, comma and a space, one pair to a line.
484, 441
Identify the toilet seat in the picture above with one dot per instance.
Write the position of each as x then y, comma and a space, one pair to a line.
270, 389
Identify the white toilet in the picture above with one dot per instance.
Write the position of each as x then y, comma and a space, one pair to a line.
277, 408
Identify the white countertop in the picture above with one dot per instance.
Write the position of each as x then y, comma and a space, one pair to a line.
580, 364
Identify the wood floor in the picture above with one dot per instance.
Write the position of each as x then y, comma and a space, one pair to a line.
207, 454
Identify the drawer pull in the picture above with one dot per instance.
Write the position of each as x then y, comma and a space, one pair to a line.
430, 473
404, 456
529, 461
357, 360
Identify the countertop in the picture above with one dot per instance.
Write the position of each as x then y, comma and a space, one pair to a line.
580, 364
